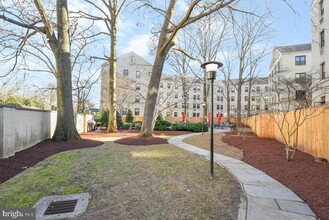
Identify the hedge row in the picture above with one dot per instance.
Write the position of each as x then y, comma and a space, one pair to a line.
165, 125
162, 125
195, 127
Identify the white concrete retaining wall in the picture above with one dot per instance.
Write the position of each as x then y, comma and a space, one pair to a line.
53, 119
23, 128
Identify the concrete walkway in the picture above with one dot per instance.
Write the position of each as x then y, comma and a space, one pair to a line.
266, 197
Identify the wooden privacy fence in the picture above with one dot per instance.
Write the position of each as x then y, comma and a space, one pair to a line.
313, 133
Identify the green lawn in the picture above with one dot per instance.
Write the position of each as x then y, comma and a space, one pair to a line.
130, 182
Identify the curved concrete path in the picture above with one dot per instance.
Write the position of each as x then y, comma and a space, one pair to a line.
267, 199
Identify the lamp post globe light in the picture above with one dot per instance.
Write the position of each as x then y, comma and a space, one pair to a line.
211, 69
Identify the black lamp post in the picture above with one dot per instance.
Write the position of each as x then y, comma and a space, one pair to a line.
211, 69
203, 105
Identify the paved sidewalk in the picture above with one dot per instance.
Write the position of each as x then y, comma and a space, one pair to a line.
267, 199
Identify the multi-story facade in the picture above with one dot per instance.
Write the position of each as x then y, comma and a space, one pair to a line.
177, 93
132, 81
133, 76
290, 76
257, 93
320, 51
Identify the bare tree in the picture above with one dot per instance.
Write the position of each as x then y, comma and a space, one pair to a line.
47, 95
168, 33
125, 98
250, 35
83, 85
9, 86
182, 63
253, 73
294, 96
208, 35
25, 21
171, 100
109, 13
130, 90
229, 59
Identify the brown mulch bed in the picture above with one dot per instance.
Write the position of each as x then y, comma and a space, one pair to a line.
29, 157
308, 179
104, 134
129, 133
131, 137
156, 139
16, 164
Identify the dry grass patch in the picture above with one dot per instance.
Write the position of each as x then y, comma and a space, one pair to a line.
203, 141
133, 182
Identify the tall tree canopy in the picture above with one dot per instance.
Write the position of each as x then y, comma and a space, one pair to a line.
31, 19
171, 26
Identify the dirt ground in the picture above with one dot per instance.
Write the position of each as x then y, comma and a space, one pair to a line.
14, 165
308, 179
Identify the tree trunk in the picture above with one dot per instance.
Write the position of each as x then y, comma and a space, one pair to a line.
79, 101
112, 124
228, 107
65, 127
238, 105
249, 98
152, 93
288, 146
153, 88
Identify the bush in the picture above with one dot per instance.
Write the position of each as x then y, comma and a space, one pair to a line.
32, 102
129, 117
195, 127
13, 101
136, 125
166, 123
161, 125
19, 101
119, 120
126, 125
137, 122
159, 118
103, 117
